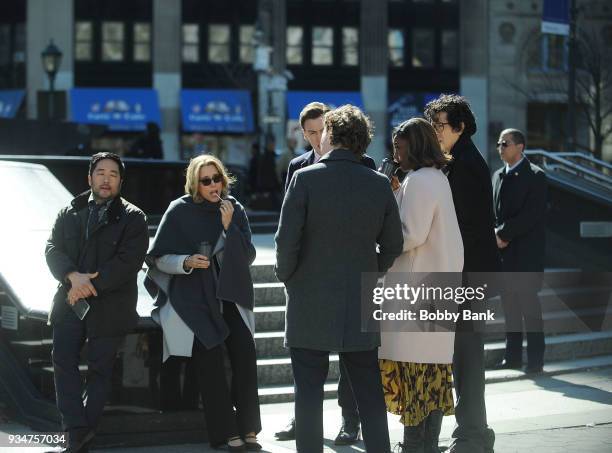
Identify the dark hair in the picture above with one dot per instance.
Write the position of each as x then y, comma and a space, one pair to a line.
517, 136
106, 155
349, 128
423, 146
312, 111
457, 110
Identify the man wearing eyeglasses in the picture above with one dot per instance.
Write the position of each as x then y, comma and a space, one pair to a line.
469, 179
519, 192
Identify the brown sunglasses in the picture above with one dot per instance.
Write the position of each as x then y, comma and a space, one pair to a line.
208, 181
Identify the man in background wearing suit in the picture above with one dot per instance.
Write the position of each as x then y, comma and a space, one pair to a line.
470, 182
311, 120
519, 192
334, 214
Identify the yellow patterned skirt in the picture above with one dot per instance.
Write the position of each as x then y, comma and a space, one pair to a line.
413, 390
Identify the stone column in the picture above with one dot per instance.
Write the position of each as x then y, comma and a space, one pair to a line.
374, 65
167, 71
48, 20
474, 67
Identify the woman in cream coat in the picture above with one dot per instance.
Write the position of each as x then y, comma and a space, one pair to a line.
416, 366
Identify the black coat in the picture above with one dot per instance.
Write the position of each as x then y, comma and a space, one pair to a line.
116, 249
520, 213
334, 214
470, 182
307, 159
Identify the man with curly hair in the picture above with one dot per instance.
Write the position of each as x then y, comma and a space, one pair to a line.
470, 182
334, 215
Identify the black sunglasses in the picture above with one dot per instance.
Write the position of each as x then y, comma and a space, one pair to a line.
504, 144
208, 181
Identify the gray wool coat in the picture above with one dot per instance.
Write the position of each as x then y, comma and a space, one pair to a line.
334, 214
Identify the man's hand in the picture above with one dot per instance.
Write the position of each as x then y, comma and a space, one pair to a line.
501, 244
395, 184
227, 211
196, 262
81, 286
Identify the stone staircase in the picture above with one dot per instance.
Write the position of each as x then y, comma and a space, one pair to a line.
567, 337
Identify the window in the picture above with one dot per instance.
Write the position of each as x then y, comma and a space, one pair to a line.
295, 39
396, 47
142, 42
350, 46
219, 43
191, 43
423, 48
548, 53
83, 32
5, 47
554, 53
246, 43
322, 45
20, 43
450, 49
112, 41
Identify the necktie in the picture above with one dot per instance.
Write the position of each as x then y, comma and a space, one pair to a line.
92, 221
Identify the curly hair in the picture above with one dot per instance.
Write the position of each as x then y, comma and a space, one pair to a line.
349, 128
192, 176
457, 110
422, 145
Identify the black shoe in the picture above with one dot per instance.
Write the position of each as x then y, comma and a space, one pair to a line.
506, 365
433, 426
288, 433
414, 438
348, 435
534, 369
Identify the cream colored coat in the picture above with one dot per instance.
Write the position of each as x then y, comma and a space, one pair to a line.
432, 243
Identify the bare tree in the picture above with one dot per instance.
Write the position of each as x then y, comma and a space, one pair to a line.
593, 82
594, 85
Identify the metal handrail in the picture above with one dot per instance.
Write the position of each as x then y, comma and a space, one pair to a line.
585, 156
562, 158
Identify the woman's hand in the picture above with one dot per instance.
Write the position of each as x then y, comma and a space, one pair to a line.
196, 262
395, 184
227, 211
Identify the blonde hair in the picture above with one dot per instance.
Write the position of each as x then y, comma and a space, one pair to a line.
192, 175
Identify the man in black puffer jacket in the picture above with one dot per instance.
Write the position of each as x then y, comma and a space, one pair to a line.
95, 251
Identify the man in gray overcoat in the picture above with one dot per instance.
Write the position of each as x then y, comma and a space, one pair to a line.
334, 214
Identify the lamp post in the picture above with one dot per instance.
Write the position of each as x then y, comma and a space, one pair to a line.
51, 59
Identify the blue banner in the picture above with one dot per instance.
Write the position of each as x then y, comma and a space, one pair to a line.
10, 100
403, 106
121, 109
556, 17
296, 100
217, 111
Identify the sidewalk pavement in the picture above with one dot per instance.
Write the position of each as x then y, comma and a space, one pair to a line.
564, 413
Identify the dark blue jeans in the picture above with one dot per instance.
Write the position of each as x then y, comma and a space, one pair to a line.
310, 369
68, 339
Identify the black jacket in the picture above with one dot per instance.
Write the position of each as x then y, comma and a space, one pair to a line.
116, 249
470, 182
520, 209
307, 159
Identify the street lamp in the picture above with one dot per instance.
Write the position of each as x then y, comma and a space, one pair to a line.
51, 59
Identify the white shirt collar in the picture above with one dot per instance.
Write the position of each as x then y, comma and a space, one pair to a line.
510, 168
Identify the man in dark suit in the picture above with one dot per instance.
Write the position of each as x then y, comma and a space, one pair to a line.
96, 248
519, 189
470, 182
311, 121
334, 214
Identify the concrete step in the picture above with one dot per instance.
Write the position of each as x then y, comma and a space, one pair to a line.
282, 394
274, 366
593, 298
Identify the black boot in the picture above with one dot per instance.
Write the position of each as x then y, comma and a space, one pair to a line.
413, 438
433, 425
